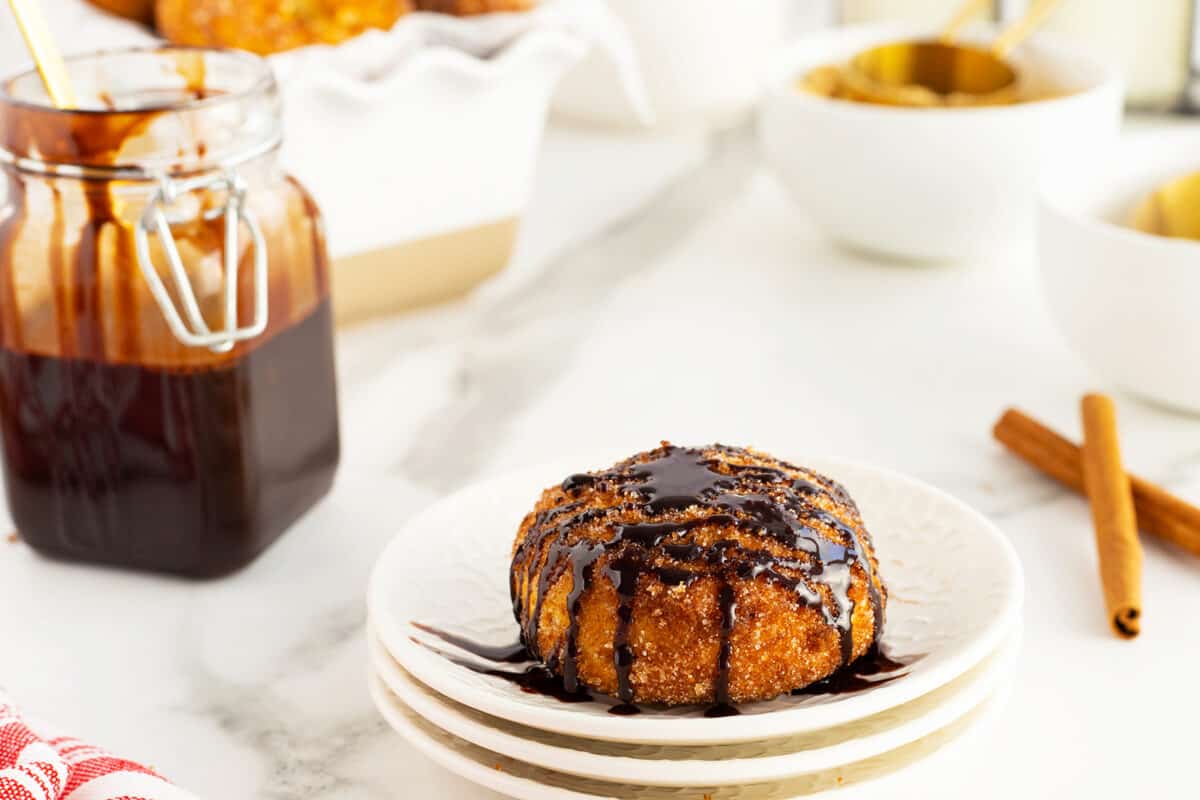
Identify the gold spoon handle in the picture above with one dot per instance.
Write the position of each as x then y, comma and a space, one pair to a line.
1014, 34
966, 12
50, 64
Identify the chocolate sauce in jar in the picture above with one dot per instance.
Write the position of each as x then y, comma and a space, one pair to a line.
122, 444
192, 471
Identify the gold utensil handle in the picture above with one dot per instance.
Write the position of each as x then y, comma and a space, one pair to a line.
966, 12
1014, 34
50, 64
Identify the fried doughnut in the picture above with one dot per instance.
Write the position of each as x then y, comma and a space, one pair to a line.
466, 8
272, 26
696, 575
137, 10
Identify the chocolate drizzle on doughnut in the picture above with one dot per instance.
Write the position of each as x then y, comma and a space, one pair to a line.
758, 500
723, 707
624, 574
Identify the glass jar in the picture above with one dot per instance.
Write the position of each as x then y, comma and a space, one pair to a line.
167, 390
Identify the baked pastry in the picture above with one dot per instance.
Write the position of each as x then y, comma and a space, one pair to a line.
272, 26
137, 10
696, 575
466, 8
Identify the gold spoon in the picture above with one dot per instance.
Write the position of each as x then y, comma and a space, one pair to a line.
966, 12
1171, 210
830, 81
46, 56
940, 72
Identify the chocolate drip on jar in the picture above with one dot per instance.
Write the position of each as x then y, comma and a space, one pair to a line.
760, 501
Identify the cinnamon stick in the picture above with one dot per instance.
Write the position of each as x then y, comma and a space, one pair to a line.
1159, 513
1111, 500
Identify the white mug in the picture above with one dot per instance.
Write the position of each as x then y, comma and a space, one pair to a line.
700, 60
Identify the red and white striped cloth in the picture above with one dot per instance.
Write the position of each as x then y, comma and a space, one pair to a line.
36, 764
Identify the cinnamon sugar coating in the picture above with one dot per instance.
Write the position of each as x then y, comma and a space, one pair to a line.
696, 575
272, 26
137, 10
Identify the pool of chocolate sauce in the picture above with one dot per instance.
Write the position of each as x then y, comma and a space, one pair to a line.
873, 669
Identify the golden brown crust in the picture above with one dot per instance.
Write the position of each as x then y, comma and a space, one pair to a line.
137, 10
272, 26
787, 631
466, 8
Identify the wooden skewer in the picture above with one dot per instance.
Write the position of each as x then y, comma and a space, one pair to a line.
46, 56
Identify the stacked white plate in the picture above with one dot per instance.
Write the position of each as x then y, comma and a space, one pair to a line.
953, 613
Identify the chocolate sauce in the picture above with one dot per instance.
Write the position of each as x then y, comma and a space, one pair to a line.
582, 558
515, 653
625, 710
534, 679
721, 710
624, 574
574, 483
121, 444
728, 602
874, 668
191, 471
746, 497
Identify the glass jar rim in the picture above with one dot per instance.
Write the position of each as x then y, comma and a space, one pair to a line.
223, 103
262, 81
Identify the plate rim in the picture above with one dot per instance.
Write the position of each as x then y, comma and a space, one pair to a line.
783, 766
700, 730
498, 780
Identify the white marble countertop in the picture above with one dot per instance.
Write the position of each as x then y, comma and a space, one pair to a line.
664, 288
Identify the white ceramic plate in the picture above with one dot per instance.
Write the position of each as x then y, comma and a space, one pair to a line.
714, 765
527, 782
955, 591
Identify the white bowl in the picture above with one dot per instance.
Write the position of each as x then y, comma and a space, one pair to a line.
419, 145
700, 60
933, 184
1127, 301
